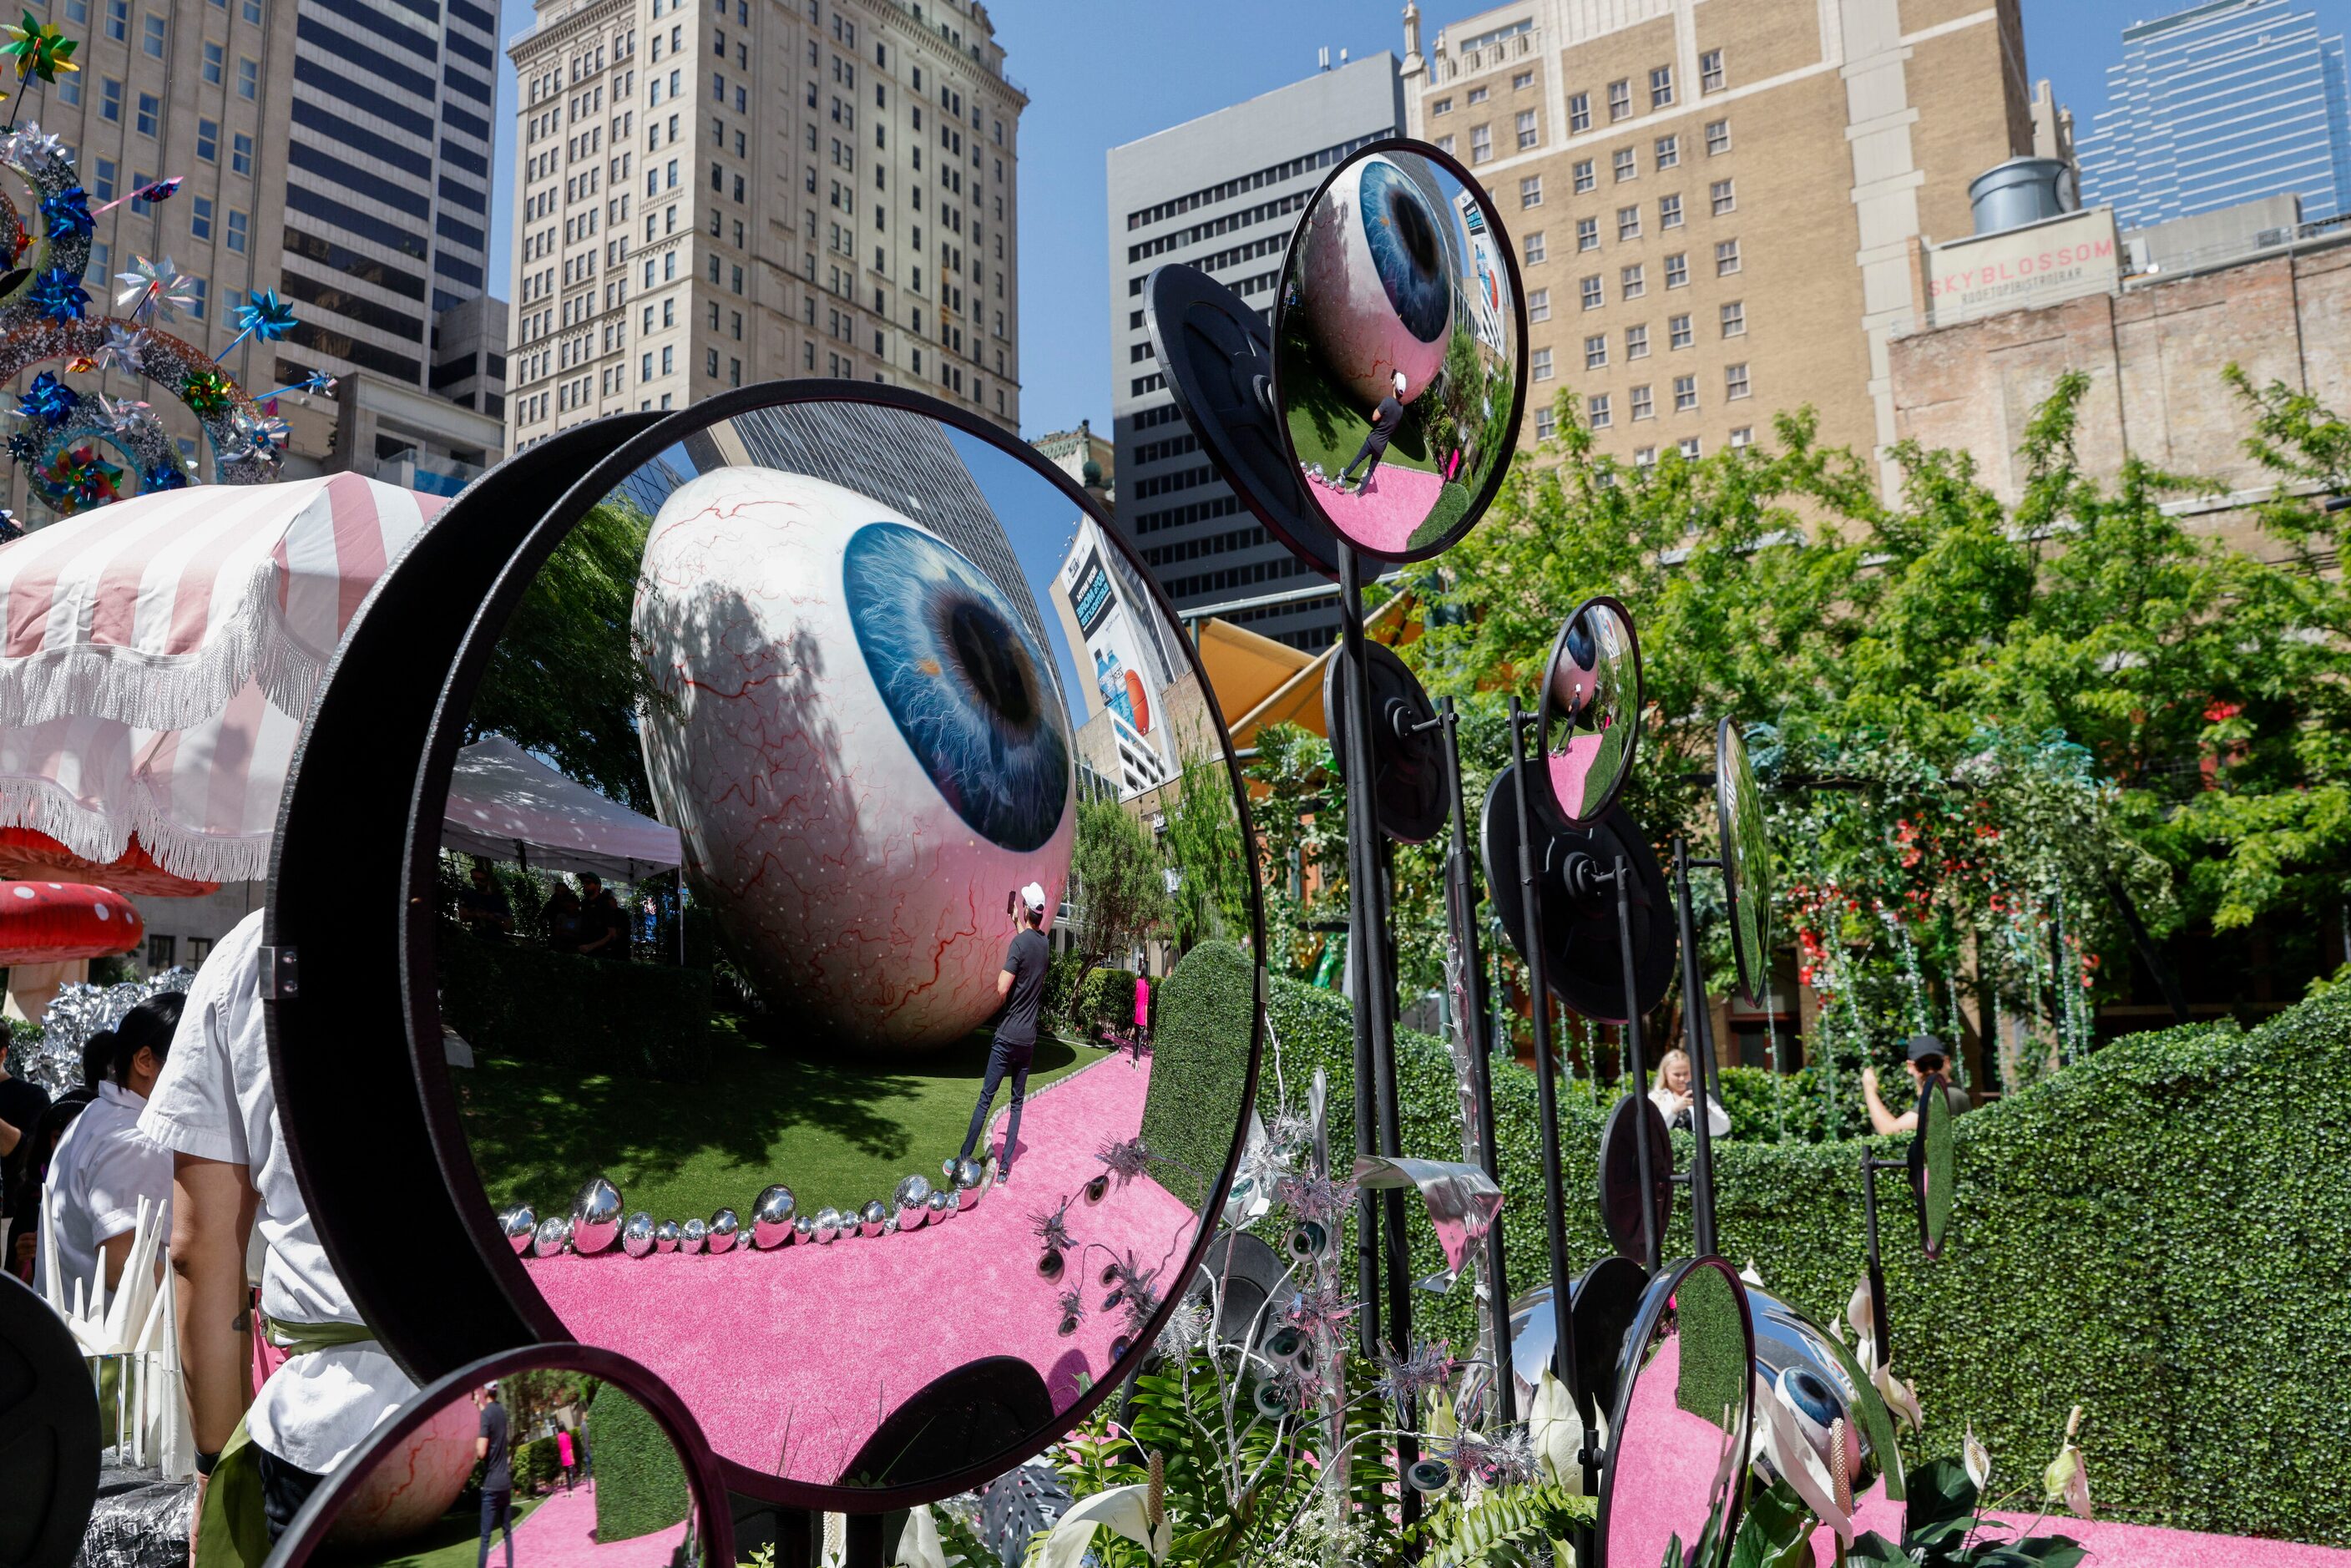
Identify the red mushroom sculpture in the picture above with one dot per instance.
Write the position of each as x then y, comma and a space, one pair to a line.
45, 927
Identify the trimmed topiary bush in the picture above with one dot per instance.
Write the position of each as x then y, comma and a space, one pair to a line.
1199, 1064
639, 1481
648, 1020
2155, 1233
534, 1464
1103, 1007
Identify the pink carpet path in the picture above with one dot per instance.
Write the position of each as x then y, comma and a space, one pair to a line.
2116, 1545
790, 1359
1383, 516
560, 1532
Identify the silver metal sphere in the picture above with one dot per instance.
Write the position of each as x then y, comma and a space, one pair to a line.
969, 1173
517, 1223
773, 1216
666, 1236
942, 1206
723, 1227
827, 1224
870, 1217
804, 1229
912, 1202
550, 1237
637, 1235
692, 1235
595, 1216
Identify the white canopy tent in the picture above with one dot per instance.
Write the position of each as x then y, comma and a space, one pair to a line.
505, 804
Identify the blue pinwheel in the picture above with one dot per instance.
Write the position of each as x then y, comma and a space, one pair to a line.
163, 476
59, 295
268, 317
48, 400
67, 212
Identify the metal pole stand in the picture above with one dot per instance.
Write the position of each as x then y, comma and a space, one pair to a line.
1881, 1318
1698, 1032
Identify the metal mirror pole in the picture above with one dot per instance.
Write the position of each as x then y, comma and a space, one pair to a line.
1870, 1167
1461, 896
1562, 1283
1701, 1068
1376, 994
1652, 1244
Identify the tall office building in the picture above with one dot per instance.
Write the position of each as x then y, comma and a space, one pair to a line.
710, 192
1718, 208
1222, 192
2220, 104
387, 177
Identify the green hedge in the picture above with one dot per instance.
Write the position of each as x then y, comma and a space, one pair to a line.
1104, 1006
534, 1464
649, 1020
2156, 1233
639, 1481
1199, 1064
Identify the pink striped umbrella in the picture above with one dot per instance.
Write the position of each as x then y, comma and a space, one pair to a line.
156, 656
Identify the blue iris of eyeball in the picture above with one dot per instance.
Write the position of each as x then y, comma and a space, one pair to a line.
1378, 280
861, 744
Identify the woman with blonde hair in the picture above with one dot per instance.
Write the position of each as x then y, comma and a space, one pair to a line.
1673, 1100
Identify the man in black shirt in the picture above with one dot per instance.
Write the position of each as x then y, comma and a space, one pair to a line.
1384, 420
483, 908
1022, 985
22, 1104
497, 1473
603, 925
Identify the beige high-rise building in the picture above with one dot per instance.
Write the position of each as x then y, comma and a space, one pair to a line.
711, 193
1719, 204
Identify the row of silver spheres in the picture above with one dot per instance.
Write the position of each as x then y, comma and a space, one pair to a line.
596, 1222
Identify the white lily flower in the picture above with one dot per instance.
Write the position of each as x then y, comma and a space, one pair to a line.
1977, 1459
918, 1543
1124, 1510
1900, 1398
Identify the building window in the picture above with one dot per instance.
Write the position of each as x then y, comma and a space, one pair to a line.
239, 228
1632, 281
1481, 143
1523, 80
1542, 364
668, 365
1710, 71
1742, 437
1546, 423
1676, 271
1596, 352
200, 219
1592, 293
110, 101
248, 79
1626, 164
197, 288
1723, 196
1579, 111
1441, 105
1669, 152
1531, 190
1643, 406
1734, 381
208, 140
1734, 320
1528, 134
1689, 447
69, 89
1628, 224
1585, 178
1685, 394
102, 187
645, 369
240, 153
1636, 342
1644, 456
1661, 87
1539, 305
151, 36
150, 110
1535, 248
1603, 416
1620, 100
710, 363
1677, 331
215, 64
1477, 95
1587, 234
1717, 137
1445, 145
118, 20
1726, 257
1669, 211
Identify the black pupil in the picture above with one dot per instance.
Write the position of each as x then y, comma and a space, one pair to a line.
984, 649
1411, 225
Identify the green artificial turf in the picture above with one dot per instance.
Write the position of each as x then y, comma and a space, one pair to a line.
1327, 424
836, 1130
451, 1541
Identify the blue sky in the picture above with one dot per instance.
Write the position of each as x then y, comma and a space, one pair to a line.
1102, 72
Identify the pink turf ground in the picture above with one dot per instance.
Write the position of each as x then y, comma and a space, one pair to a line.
1383, 516
1571, 772
560, 1532
2114, 1545
791, 1359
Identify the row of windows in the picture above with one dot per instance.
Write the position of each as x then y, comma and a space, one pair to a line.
1152, 418
1688, 447
1160, 245
1619, 97
1271, 174
1213, 544
1173, 446
1168, 484
1723, 200
1197, 512
1600, 407
1667, 153
1237, 577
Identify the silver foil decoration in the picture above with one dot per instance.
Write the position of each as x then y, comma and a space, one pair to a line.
871, 1218
78, 1011
722, 1228
1462, 1200
666, 1236
692, 1235
912, 1202
773, 1218
519, 1223
596, 1215
548, 1240
637, 1237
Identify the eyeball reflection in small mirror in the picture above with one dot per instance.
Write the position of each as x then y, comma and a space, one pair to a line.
1269, 1400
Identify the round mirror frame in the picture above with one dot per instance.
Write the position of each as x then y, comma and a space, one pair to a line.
1754, 967
1663, 1289
1546, 796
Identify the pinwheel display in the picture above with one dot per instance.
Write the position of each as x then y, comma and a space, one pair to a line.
39, 49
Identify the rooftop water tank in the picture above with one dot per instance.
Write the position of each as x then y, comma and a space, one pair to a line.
2021, 191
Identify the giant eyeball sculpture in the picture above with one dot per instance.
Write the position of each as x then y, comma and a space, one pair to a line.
637, 1237
595, 1217
550, 1237
518, 1224
720, 1238
1374, 256
772, 1218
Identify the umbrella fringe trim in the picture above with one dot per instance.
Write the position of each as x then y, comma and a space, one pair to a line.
45, 808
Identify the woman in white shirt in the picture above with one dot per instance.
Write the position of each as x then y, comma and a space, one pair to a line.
104, 1165
1672, 1096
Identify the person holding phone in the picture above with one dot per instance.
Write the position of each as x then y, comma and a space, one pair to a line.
1022, 983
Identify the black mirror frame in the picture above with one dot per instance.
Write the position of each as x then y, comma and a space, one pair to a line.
1544, 795
1663, 1287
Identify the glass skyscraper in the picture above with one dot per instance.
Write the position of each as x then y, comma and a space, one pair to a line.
2219, 104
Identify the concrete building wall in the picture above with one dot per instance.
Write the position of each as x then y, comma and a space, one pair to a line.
710, 193
2154, 353
1822, 139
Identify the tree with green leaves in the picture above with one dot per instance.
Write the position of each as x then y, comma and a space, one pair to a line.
1204, 844
1117, 881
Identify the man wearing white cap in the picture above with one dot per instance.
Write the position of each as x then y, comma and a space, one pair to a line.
1022, 985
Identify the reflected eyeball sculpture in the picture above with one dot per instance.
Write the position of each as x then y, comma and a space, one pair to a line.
1378, 283
861, 744
412, 1486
